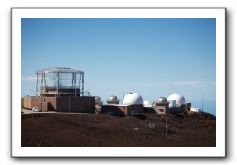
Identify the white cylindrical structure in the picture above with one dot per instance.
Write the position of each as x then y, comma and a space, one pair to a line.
172, 103
133, 99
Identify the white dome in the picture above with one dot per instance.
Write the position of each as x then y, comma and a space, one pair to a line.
133, 98
180, 100
147, 104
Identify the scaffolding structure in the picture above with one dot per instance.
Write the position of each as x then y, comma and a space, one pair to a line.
59, 81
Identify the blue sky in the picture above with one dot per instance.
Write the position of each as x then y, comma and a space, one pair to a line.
154, 57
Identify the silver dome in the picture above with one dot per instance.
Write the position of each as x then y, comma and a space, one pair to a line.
113, 100
162, 100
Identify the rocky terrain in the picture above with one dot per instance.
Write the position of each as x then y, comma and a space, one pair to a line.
100, 130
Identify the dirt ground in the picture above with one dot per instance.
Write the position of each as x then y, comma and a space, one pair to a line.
95, 130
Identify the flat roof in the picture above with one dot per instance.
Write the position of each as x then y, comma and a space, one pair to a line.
59, 70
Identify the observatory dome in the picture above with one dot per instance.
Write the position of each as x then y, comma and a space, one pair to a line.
147, 104
113, 100
180, 100
162, 100
133, 98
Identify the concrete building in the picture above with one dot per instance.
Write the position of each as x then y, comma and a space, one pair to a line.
175, 103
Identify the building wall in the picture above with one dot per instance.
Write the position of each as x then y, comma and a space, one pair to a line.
49, 103
25, 102
84, 104
45, 106
149, 110
161, 109
112, 109
44, 103
22, 101
134, 109
30, 101
122, 110
164, 108
51, 92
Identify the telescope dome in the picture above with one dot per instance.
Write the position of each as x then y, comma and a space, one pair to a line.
133, 99
180, 100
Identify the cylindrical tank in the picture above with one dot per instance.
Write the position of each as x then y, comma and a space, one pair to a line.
172, 103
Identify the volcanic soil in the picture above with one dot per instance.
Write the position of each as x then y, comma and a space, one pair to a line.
100, 130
